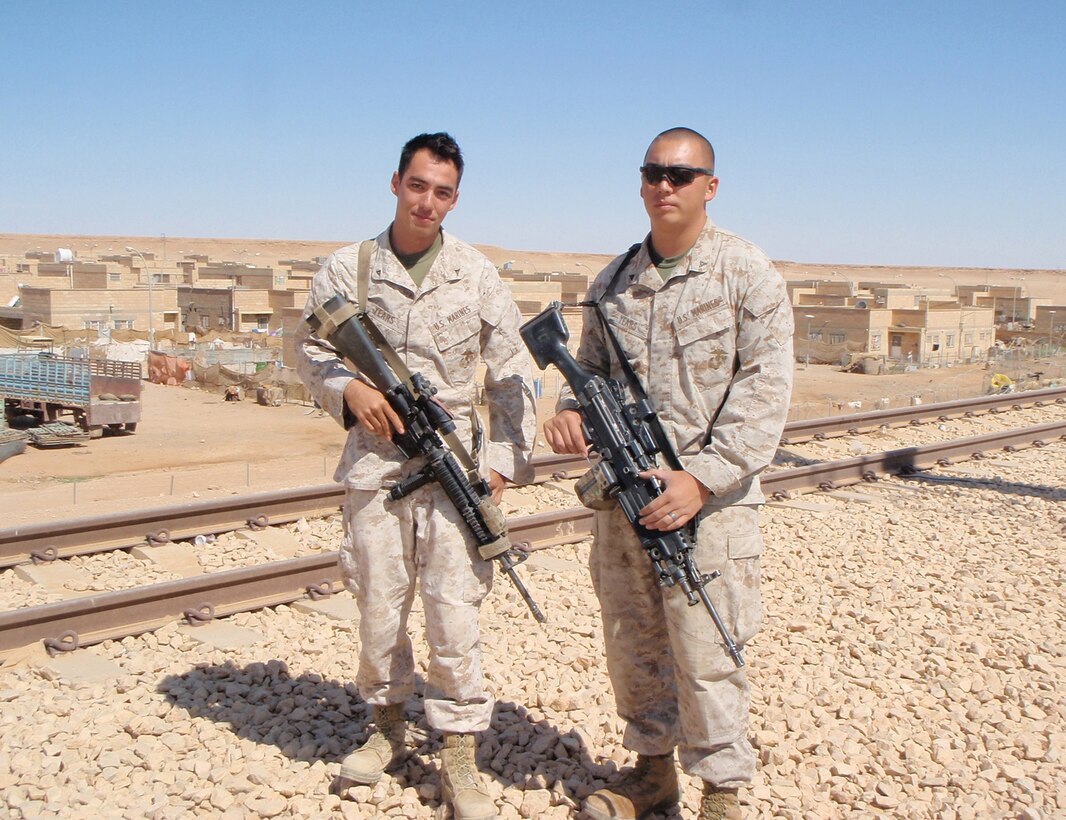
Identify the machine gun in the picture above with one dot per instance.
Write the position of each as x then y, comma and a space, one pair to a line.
623, 437
425, 421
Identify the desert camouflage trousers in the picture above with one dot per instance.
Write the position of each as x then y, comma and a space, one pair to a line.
674, 682
389, 548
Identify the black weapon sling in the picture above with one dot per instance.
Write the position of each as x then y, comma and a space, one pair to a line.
632, 379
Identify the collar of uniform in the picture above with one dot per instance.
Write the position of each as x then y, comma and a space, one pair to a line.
703, 254
642, 270
385, 267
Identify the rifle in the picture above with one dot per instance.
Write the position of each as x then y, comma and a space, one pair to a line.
623, 437
425, 421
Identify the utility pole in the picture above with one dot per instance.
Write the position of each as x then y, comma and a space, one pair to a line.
807, 362
151, 321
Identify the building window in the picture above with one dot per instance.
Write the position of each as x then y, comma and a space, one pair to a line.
951, 339
114, 276
968, 339
875, 341
93, 324
836, 338
262, 322
123, 324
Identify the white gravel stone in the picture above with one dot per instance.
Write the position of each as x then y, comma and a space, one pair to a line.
896, 674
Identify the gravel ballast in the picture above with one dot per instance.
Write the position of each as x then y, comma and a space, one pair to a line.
910, 665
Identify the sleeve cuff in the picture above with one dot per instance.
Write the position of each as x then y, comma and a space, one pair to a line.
713, 472
510, 462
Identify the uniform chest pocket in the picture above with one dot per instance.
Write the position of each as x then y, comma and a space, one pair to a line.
447, 334
458, 342
706, 346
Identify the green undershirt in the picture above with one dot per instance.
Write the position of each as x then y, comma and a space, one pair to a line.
417, 265
666, 264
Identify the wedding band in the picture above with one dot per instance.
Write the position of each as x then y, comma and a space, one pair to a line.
673, 516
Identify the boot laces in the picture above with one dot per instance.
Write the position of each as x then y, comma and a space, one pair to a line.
461, 766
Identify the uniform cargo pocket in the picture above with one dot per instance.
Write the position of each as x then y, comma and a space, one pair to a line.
744, 568
745, 546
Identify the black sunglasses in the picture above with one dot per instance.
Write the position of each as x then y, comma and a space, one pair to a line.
676, 175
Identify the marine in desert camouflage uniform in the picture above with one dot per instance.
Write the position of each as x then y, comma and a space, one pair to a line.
442, 307
706, 324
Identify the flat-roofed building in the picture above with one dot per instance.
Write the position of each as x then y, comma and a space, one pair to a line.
115, 308
921, 325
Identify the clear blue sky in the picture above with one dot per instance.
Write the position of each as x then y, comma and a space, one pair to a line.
850, 132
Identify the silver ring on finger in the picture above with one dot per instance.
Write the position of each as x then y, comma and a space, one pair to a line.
673, 517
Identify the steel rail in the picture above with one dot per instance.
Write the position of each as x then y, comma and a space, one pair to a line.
82, 536
804, 429
50, 540
831, 474
94, 618
91, 619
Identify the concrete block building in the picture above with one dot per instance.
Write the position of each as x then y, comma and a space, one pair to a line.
837, 319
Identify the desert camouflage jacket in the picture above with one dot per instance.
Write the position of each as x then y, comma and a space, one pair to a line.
712, 345
461, 315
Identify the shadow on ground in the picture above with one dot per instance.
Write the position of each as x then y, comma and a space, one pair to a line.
309, 718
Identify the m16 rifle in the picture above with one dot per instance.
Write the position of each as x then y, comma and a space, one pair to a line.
623, 436
425, 422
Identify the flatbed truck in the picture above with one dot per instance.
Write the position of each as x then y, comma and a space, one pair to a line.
98, 394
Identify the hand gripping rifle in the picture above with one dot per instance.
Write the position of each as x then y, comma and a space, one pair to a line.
623, 437
425, 421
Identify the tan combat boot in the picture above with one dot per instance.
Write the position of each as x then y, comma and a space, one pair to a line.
649, 786
460, 781
382, 748
719, 804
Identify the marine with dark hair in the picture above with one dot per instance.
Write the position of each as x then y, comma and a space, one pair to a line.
441, 306
441, 145
705, 322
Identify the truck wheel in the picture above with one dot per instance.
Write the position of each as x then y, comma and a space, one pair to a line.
96, 432
23, 421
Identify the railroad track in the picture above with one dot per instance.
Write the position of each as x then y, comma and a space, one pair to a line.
801, 430
90, 619
49, 541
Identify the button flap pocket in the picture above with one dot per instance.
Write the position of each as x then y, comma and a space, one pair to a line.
745, 546
706, 324
451, 330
